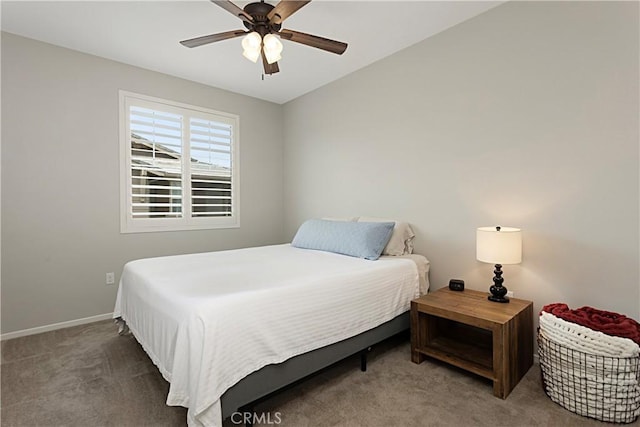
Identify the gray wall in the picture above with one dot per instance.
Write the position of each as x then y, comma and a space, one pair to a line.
60, 180
524, 116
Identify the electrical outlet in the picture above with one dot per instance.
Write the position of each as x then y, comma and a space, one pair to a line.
510, 294
111, 278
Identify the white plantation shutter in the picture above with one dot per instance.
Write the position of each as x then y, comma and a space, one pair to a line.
179, 166
156, 163
210, 143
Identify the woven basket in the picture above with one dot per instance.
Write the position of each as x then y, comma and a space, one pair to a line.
600, 387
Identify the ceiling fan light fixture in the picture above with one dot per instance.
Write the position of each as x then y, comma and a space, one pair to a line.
251, 43
264, 21
272, 48
251, 55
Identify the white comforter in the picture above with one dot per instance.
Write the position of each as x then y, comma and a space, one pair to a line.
207, 320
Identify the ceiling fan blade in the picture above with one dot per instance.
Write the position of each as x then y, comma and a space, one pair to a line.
314, 41
233, 9
199, 41
284, 9
269, 68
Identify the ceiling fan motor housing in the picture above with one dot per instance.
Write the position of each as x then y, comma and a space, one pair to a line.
259, 12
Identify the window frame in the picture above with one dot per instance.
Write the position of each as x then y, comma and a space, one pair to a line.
129, 224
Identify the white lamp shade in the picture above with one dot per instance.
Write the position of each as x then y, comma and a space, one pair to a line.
499, 247
272, 48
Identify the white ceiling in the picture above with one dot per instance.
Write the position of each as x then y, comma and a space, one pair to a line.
146, 34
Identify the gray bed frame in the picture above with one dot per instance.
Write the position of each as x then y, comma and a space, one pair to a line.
272, 378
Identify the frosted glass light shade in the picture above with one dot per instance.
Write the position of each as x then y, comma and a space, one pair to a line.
272, 48
251, 55
251, 43
503, 246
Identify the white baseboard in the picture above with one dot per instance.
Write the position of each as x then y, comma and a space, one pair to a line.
54, 326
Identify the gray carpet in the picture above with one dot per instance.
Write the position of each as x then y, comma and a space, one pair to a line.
90, 376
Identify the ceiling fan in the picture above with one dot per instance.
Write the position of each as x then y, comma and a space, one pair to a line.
264, 22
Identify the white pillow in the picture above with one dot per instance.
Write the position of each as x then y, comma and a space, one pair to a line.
401, 241
346, 218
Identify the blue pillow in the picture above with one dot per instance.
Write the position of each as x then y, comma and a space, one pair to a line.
358, 239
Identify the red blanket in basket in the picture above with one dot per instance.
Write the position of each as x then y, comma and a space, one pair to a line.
607, 322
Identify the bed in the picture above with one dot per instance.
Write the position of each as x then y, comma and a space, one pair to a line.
226, 328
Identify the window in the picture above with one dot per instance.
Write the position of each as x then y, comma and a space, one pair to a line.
179, 166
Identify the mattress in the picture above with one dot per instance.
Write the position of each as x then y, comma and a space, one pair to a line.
207, 320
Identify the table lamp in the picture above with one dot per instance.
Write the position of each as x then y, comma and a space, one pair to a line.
498, 245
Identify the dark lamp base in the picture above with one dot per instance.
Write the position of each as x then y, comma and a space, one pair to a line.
498, 291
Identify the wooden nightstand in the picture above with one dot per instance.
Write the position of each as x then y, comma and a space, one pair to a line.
465, 329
